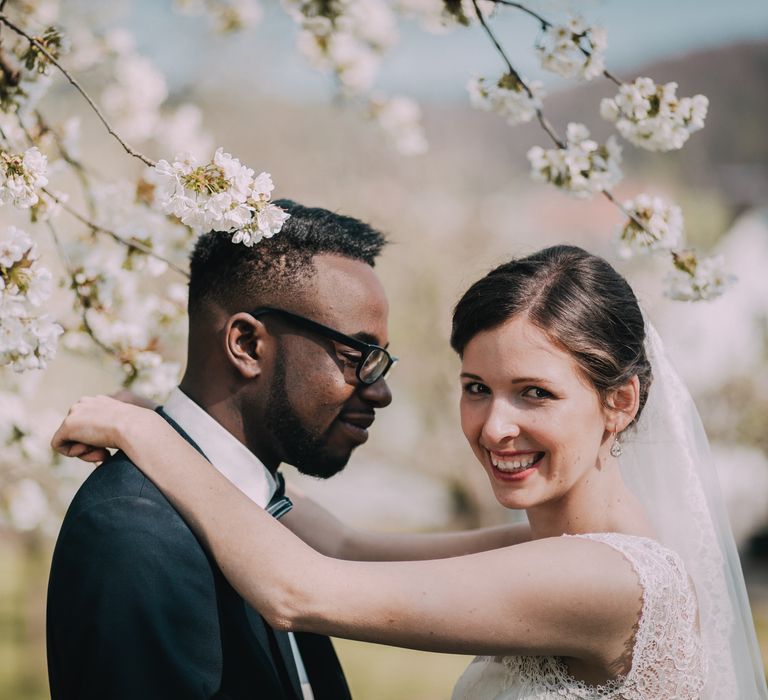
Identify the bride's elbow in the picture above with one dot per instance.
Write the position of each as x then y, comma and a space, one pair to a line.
287, 610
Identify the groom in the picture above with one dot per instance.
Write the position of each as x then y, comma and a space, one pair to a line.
137, 609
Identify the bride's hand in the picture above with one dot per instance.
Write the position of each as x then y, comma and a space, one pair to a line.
93, 424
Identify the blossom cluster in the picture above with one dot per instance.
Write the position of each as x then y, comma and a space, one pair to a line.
507, 97
582, 167
220, 195
573, 50
651, 116
28, 339
21, 177
346, 37
653, 225
131, 323
697, 279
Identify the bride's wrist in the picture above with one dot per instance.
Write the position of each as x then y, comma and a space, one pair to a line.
139, 426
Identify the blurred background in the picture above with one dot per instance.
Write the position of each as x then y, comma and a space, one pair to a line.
451, 214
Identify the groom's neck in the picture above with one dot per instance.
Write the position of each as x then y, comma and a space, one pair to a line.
223, 408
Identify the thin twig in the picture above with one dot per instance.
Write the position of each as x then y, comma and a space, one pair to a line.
135, 245
34, 42
609, 196
545, 124
508, 3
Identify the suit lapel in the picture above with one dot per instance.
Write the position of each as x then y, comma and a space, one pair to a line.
276, 651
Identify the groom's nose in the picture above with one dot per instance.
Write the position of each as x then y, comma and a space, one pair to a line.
377, 394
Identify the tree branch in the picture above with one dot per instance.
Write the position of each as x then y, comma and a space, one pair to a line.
134, 245
545, 124
34, 42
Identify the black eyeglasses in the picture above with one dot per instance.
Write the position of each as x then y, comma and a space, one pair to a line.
374, 360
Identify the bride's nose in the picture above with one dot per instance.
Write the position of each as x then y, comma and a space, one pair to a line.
502, 423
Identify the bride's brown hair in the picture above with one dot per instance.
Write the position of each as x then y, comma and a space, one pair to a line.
580, 302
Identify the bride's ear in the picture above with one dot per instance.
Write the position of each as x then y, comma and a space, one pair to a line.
622, 405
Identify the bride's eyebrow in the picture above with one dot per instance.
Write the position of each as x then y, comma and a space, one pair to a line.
469, 375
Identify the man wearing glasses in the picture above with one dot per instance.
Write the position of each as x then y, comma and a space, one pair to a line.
286, 363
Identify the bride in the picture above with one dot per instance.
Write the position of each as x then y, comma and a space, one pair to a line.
625, 585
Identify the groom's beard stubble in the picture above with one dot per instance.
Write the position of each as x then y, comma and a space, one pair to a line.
300, 447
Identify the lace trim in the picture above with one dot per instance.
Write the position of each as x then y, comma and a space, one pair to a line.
667, 656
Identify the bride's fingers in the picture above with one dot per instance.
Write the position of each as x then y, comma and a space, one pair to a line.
95, 454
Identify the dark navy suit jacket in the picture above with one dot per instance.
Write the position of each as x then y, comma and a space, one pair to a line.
138, 610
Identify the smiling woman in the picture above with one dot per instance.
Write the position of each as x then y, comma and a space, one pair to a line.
592, 601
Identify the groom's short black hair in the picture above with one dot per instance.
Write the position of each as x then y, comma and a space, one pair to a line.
230, 274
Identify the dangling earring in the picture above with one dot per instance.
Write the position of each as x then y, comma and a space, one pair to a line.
615, 447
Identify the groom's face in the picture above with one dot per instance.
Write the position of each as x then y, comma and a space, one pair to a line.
317, 411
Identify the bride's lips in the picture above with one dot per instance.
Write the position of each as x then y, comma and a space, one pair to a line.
356, 425
514, 466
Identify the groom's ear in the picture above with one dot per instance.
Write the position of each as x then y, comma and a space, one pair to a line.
245, 342
622, 405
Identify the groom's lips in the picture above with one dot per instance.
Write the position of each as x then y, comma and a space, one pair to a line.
356, 425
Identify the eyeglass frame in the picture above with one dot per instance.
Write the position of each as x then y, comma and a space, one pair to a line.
366, 349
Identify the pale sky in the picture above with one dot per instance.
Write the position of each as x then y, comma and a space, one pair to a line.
431, 66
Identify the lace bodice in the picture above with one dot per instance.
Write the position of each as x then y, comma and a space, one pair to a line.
667, 658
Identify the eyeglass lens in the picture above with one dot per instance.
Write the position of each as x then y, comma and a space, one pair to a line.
374, 366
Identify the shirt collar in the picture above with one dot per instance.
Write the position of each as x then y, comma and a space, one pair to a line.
222, 449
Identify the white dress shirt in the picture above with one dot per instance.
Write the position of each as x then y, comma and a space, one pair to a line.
236, 462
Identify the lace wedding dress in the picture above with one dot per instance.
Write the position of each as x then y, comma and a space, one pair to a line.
668, 658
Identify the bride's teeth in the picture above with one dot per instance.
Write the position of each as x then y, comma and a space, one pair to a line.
508, 465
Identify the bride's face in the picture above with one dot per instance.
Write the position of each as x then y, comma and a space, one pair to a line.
531, 417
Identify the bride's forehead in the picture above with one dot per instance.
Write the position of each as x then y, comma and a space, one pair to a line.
519, 345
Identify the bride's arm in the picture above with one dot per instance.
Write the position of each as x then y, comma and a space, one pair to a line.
559, 596
327, 534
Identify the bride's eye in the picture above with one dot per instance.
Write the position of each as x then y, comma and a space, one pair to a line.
536, 392
474, 388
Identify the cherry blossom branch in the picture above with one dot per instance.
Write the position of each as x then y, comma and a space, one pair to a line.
545, 124
545, 24
40, 47
134, 245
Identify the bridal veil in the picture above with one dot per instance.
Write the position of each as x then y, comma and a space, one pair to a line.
667, 464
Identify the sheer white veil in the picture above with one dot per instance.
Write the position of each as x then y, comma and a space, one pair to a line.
667, 464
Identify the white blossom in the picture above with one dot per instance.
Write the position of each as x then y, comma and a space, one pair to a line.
27, 340
400, 117
695, 279
651, 116
21, 177
507, 97
221, 195
573, 50
345, 37
662, 226
582, 167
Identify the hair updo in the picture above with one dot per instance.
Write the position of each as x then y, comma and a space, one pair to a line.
580, 302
